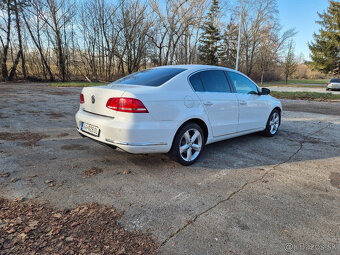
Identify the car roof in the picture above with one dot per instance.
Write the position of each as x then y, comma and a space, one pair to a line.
197, 67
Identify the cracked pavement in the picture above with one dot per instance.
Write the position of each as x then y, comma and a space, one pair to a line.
248, 195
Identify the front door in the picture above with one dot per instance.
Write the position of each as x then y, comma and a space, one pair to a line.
253, 108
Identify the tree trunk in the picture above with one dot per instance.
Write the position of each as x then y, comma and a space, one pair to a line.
4, 69
20, 39
14, 67
62, 69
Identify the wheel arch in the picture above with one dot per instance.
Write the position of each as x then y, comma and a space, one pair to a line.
199, 122
279, 110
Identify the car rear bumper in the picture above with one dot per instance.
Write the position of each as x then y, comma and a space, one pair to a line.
142, 137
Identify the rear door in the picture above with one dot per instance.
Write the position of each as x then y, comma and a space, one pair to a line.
253, 107
219, 101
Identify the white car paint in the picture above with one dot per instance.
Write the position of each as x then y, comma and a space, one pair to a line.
334, 84
225, 115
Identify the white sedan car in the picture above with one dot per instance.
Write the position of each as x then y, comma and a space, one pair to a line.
333, 84
176, 110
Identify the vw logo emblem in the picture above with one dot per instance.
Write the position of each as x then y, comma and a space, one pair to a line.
93, 99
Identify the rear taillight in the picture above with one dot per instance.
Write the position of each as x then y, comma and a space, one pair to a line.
82, 100
328, 83
124, 104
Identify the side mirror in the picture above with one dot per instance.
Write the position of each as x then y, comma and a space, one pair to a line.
265, 91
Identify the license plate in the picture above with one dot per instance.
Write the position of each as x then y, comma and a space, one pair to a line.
91, 129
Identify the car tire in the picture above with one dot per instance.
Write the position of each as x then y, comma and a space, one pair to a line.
188, 144
328, 89
273, 123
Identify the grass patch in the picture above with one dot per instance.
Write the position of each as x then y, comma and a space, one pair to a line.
77, 84
301, 81
306, 95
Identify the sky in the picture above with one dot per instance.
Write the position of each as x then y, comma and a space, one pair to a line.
301, 15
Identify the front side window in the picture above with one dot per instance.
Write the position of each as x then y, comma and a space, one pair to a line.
242, 84
151, 77
210, 81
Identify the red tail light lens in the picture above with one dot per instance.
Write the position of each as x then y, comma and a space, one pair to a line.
82, 100
124, 104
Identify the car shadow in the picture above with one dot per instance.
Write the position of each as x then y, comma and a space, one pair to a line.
254, 150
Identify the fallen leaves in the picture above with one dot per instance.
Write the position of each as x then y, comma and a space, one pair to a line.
5, 175
93, 171
31, 228
30, 138
127, 171
14, 180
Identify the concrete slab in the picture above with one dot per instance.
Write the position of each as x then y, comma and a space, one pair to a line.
248, 195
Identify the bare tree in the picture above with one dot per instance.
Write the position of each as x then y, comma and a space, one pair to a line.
31, 17
181, 20
17, 7
57, 14
134, 26
6, 28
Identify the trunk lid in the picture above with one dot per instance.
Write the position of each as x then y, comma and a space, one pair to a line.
102, 94
96, 98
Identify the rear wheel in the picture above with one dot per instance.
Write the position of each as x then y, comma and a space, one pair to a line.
188, 144
273, 123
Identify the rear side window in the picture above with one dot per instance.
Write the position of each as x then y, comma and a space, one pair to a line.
335, 80
151, 77
212, 81
196, 82
242, 84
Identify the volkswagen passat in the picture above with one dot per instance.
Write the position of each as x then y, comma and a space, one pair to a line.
176, 109
333, 84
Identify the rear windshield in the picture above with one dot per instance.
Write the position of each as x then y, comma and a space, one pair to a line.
151, 77
335, 80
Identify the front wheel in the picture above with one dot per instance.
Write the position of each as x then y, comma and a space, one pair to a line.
188, 144
273, 123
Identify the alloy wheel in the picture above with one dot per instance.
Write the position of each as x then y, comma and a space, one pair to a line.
274, 123
190, 145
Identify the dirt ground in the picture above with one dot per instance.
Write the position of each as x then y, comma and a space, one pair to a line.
248, 195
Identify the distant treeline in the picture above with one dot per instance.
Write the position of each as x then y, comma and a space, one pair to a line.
103, 39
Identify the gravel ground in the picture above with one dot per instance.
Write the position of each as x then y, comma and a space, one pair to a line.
248, 195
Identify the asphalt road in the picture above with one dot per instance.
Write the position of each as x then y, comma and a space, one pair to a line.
248, 195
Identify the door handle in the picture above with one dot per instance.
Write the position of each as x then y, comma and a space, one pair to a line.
208, 103
243, 103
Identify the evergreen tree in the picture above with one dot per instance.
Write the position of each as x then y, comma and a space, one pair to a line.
210, 41
325, 50
229, 45
289, 65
